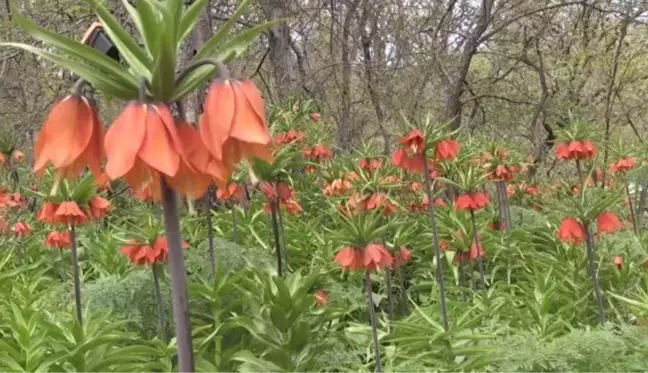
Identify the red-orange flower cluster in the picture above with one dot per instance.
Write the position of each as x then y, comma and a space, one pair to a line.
623, 165
572, 231
281, 193
144, 253
372, 258
576, 149
472, 201
59, 240
70, 213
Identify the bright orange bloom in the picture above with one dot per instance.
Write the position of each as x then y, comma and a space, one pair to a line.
414, 142
47, 213
472, 201
99, 207
12, 200
142, 144
608, 222
402, 257
350, 259
59, 240
376, 256
576, 149
381, 201
318, 153
197, 167
71, 139
618, 261
70, 213
142, 254
321, 298
571, 231
503, 172
293, 207
447, 149
19, 156
476, 251
230, 191
402, 159
623, 165
290, 137
337, 187
22, 229
233, 126
371, 164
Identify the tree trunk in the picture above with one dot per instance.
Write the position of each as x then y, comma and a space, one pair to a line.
279, 41
345, 129
453, 105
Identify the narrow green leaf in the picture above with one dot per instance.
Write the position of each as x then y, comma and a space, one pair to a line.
213, 43
227, 52
189, 19
150, 25
142, 24
102, 82
127, 46
76, 49
163, 82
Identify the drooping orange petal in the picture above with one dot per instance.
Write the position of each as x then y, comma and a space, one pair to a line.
62, 138
248, 124
253, 96
124, 139
218, 116
157, 149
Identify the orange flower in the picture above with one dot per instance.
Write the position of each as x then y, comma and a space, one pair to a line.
70, 213
99, 207
318, 153
142, 254
290, 137
337, 187
233, 125
476, 251
19, 156
472, 201
414, 142
58, 240
576, 149
608, 222
22, 229
315, 116
462, 257
447, 149
376, 256
402, 257
230, 191
350, 259
292, 206
416, 186
142, 144
71, 139
371, 164
402, 159
503, 172
321, 298
618, 261
623, 165
197, 167
381, 201
47, 213
438, 202
571, 231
